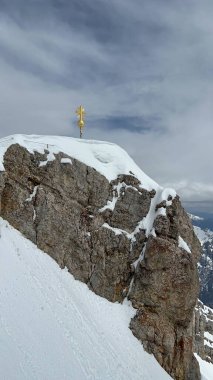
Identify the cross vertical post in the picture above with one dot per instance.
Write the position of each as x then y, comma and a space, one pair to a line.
81, 112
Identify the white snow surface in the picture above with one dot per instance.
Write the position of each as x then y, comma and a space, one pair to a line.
206, 368
194, 217
208, 339
65, 160
53, 327
203, 235
32, 195
107, 158
182, 244
208, 336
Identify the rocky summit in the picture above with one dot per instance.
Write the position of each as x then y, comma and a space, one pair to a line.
89, 207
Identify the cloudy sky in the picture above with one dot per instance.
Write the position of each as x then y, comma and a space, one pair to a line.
143, 69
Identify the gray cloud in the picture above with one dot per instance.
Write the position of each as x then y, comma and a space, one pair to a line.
143, 71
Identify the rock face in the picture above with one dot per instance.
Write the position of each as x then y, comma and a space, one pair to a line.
119, 238
164, 291
204, 332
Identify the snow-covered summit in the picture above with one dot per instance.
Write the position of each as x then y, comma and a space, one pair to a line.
107, 158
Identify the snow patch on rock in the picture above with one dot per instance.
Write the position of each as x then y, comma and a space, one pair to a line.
182, 244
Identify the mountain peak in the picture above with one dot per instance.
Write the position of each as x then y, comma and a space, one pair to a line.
89, 206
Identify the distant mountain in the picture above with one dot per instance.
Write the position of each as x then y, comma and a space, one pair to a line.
194, 217
202, 211
206, 222
205, 235
204, 333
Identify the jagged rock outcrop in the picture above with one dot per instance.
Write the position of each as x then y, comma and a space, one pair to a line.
204, 332
119, 238
166, 287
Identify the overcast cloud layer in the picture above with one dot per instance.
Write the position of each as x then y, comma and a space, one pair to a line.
143, 69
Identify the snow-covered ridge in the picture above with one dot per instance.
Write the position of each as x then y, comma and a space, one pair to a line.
203, 235
107, 158
194, 217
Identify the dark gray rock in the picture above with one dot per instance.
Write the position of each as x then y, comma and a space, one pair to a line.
130, 208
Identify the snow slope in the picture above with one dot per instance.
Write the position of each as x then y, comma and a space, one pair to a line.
53, 327
206, 369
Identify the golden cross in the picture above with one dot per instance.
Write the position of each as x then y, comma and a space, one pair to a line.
80, 112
